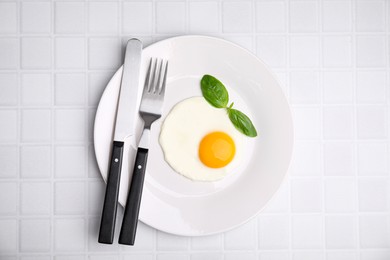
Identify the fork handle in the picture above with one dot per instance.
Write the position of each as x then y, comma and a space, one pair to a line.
130, 218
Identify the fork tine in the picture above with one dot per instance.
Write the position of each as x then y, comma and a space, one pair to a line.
148, 76
154, 82
164, 77
158, 75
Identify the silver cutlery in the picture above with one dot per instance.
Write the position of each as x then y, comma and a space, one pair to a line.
150, 110
127, 112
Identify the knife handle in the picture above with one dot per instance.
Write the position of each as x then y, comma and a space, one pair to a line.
107, 224
130, 218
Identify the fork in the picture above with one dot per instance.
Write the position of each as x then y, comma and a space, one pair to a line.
150, 110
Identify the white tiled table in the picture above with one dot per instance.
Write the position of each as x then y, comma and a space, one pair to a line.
332, 58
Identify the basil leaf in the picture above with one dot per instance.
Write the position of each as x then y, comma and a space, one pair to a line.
242, 122
214, 91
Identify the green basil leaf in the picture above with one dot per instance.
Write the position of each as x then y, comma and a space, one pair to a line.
242, 122
214, 91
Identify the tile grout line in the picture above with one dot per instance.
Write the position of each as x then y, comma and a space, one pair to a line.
355, 124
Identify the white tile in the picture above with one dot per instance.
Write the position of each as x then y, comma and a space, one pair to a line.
9, 161
36, 17
340, 232
70, 162
307, 232
373, 159
103, 257
137, 17
272, 49
270, 16
374, 231
8, 125
207, 256
70, 89
96, 191
337, 51
8, 17
338, 122
370, 16
276, 255
371, 122
203, 17
70, 124
103, 17
69, 198
36, 125
145, 239
340, 195
307, 122
337, 87
374, 194
306, 195
8, 236
303, 16
35, 198
36, 89
341, 255
371, 51
93, 169
213, 242
69, 235
339, 159
375, 255
9, 194
237, 17
337, 16
91, 122
169, 242
240, 256
304, 51
35, 235
274, 231
241, 238
104, 53
97, 82
371, 87
138, 257
8, 87
172, 256
36, 53
304, 87
36, 257
69, 53
9, 53
69, 17
35, 161
168, 23
308, 255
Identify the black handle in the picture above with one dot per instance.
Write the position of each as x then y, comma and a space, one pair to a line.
130, 218
107, 224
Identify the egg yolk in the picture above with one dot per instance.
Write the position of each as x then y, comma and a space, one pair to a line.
216, 150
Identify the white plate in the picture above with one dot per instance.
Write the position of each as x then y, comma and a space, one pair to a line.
171, 202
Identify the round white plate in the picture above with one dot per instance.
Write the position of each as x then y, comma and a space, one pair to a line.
173, 203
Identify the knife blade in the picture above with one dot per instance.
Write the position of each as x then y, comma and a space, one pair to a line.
127, 111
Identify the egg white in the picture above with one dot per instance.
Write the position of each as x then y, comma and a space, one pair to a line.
183, 129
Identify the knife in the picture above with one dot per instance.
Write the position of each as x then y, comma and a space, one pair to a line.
127, 112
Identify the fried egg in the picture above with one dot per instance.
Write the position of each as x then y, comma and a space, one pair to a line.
199, 141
